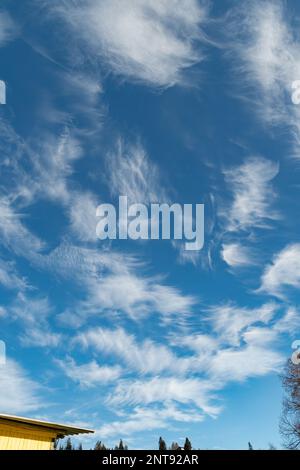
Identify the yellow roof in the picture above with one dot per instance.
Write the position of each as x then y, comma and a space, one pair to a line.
61, 429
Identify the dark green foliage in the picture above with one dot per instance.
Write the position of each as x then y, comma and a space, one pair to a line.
120, 446
161, 444
99, 446
69, 444
187, 444
174, 446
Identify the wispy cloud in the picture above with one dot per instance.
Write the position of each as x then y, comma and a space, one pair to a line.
33, 314
133, 295
53, 165
151, 43
89, 374
10, 278
8, 28
161, 389
82, 215
84, 102
50, 159
229, 321
143, 346
290, 322
238, 343
266, 50
248, 208
18, 393
149, 418
252, 193
132, 174
40, 336
283, 273
114, 283
250, 361
145, 357
236, 255
14, 234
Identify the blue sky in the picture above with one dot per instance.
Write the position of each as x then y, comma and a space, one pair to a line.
165, 101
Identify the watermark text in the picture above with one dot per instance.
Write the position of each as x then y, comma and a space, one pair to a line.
158, 221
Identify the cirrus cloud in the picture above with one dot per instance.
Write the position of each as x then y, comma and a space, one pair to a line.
283, 272
152, 43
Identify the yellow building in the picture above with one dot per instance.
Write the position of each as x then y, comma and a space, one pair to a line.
18, 433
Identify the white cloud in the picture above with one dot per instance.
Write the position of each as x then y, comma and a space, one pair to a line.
14, 235
52, 171
290, 322
251, 207
145, 357
30, 310
112, 283
3, 311
132, 174
166, 389
17, 188
152, 43
284, 271
239, 343
253, 194
82, 264
229, 321
184, 256
40, 336
250, 361
142, 419
266, 49
82, 214
138, 296
260, 336
237, 255
18, 393
234, 333
33, 314
52, 164
84, 92
9, 276
263, 23
50, 159
89, 374
199, 343
8, 28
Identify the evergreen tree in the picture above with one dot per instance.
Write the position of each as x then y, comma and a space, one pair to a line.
69, 444
187, 444
99, 446
162, 444
121, 446
174, 446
